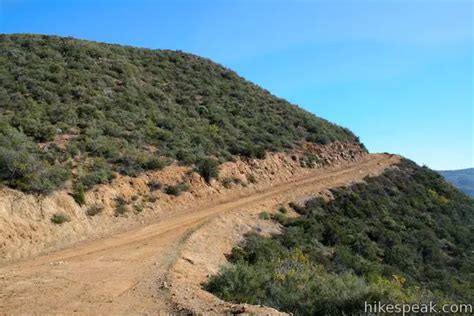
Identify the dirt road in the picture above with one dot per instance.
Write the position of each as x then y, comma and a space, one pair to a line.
121, 274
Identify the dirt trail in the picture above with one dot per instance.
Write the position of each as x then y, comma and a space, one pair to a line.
122, 274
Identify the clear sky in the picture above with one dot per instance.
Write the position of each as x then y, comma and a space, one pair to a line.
399, 73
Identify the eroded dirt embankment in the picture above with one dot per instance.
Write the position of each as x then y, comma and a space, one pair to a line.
159, 266
26, 229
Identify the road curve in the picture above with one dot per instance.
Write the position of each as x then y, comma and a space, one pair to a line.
119, 274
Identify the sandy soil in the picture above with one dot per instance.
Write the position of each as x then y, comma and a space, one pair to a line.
25, 220
204, 253
127, 273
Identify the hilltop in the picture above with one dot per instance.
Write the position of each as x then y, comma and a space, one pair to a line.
119, 148
462, 179
84, 111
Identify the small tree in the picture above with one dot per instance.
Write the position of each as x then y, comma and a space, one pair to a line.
208, 168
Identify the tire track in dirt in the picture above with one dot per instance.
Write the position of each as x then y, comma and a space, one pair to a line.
121, 274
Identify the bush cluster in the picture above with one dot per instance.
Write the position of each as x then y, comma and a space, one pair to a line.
228, 182
24, 166
208, 168
177, 189
404, 236
59, 218
131, 110
121, 206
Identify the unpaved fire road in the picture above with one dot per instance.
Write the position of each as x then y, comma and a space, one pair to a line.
120, 274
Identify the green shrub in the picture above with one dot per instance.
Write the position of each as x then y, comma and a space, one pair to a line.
103, 146
59, 218
120, 200
154, 163
118, 112
282, 210
121, 207
321, 139
98, 173
177, 189
264, 215
297, 286
44, 181
309, 160
130, 164
208, 168
248, 150
139, 208
23, 167
280, 218
78, 194
229, 181
186, 157
405, 236
151, 198
297, 208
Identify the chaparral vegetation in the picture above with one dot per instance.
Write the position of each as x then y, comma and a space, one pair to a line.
404, 236
98, 109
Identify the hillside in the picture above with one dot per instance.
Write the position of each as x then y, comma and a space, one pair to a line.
116, 149
130, 271
462, 179
84, 111
403, 236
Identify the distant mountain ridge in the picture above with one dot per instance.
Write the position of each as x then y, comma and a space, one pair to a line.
462, 179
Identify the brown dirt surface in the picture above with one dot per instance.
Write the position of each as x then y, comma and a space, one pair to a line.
128, 272
26, 229
204, 253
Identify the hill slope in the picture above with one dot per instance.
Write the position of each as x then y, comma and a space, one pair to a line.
462, 179
73, 108
405, 236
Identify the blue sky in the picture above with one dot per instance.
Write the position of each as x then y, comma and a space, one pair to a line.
399, 73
